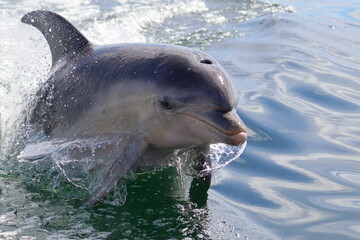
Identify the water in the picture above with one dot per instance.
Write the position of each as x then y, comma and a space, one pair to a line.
296, 66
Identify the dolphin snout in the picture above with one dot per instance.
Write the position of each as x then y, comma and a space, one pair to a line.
228, 125
234, 128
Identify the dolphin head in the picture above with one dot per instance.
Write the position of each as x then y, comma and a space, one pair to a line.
197, 102
174, 97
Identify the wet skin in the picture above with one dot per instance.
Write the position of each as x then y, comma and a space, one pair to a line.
161, 97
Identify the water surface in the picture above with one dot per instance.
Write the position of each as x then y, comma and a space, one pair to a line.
296, 67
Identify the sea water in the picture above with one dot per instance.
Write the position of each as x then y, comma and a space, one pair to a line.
296, 67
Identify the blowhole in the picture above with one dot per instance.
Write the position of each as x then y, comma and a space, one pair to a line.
206, 61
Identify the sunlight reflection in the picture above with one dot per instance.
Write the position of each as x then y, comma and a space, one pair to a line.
294, 212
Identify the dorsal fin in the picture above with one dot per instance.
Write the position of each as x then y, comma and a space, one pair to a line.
62, 37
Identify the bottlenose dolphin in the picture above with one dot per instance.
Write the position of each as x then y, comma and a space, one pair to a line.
161, 97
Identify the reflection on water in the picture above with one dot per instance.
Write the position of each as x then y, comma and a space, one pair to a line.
297, 72
300, 100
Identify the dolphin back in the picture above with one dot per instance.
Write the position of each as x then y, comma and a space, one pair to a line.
63, 38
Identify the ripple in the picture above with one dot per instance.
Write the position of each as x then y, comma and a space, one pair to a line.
350, 177
298, 78
345, 230
286, 195
350, 204
326, 99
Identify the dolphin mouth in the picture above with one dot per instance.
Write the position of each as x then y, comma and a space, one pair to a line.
233, 137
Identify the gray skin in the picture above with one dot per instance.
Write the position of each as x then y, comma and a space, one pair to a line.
161, 97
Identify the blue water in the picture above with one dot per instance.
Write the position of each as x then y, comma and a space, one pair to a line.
296, 67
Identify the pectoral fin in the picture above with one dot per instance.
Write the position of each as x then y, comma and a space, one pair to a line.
118, 170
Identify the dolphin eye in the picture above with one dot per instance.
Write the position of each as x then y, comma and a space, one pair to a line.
174, 104
206, 61
166, 104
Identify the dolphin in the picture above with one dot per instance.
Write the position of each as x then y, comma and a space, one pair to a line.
161, 97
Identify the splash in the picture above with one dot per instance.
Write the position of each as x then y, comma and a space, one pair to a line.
221, 154
84, 162
79, 162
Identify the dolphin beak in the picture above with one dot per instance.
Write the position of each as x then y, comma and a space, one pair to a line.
229, 125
